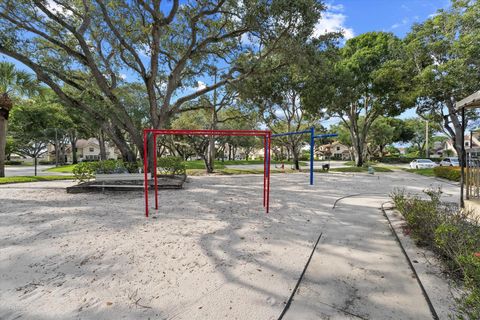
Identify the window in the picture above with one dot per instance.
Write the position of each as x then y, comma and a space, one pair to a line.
91, 149
338, 148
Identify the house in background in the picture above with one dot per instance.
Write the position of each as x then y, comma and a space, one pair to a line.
334, 150
87, 150
447, 149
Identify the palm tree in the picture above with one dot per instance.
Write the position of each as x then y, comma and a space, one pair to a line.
13, 83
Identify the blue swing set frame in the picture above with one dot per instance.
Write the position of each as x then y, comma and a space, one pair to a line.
311, 131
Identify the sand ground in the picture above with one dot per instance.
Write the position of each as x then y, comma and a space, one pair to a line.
210, 252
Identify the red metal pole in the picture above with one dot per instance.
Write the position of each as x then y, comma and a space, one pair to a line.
268, 170
266, 159
264, 169
145, 170
155, 169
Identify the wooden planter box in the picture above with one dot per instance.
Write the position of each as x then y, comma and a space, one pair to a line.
121, 176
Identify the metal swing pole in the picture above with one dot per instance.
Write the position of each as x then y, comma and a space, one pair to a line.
264, 169
267, 155
312, 147
155, 169
269, 140
145, 170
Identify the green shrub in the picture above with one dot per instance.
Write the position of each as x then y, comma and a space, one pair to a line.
132, 167
449, 173
109, 167
171, 165
84, 171
46, 162
392, 159
452, 233
13, 162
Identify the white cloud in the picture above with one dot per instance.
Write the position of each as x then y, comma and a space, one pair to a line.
333, 20
404, 22
123, 76
201, 85
335, 7
57, 8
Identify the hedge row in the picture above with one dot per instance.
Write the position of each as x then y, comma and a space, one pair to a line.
454, 234
392, 159
13, 162
449, 173
85, 171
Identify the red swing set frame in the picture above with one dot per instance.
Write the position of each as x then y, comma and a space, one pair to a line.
267, 136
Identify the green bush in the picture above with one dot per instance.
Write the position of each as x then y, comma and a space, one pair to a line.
449, 173
13, 162
171, 165
393, 159
46, 162
109, 167
84, 171
452, 233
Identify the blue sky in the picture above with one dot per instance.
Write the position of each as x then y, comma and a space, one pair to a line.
359, 16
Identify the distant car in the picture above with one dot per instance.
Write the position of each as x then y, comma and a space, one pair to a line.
422, 164
448, 162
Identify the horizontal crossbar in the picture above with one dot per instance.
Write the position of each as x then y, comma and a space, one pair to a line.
208, 132
327, 135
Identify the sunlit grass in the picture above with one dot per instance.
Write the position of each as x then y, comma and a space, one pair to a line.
19, 179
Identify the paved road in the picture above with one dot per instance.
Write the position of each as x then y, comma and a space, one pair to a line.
11, 171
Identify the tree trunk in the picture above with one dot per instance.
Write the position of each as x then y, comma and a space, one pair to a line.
101, 142
296, 156
35, 164
128, 155
73, 142
455, 132
3, 143
207, 164
56, 148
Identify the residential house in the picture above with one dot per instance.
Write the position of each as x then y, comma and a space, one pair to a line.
447, 148
87, 150
334, 150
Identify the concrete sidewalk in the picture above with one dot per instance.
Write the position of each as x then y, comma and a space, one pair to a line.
358, 270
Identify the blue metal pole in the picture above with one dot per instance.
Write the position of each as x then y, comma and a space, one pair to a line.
312, 146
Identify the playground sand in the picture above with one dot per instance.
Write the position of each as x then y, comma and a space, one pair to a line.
209, 252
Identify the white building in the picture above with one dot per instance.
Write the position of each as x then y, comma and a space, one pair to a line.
87, 150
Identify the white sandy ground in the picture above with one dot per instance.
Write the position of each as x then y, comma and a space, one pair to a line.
209, 253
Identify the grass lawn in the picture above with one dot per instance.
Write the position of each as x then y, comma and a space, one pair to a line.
229, 171
19, 179
63, 169
424, 172
190, 165
260, 161
361, 169
200, 164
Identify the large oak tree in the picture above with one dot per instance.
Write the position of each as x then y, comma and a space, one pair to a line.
444, 52
87, 48
366, 78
